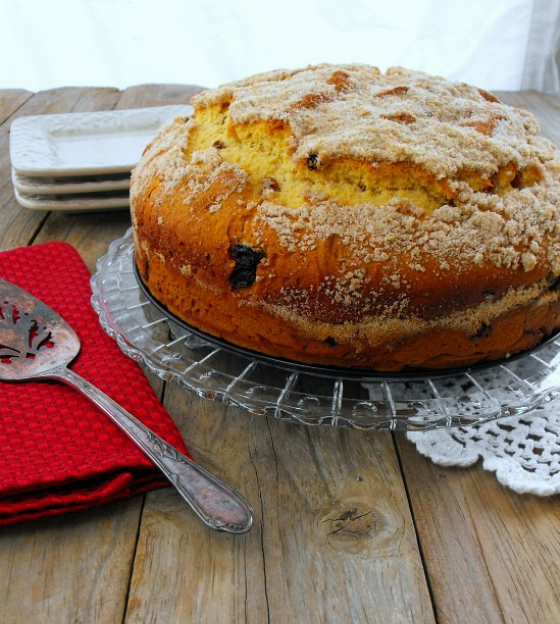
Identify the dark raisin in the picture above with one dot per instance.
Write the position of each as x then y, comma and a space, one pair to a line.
312, 162
482, 330
555, 284
218, 145
246, 262
331, 341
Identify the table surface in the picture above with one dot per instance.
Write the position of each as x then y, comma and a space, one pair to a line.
408, 541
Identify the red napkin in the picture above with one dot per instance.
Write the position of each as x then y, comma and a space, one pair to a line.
58, 452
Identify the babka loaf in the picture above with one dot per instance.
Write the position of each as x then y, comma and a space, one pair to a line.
343, 216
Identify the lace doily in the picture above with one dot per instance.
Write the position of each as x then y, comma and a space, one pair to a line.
523, 451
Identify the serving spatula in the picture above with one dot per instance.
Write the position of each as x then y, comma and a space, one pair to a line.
37, 343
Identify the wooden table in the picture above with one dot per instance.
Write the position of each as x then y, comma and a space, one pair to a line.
408, 541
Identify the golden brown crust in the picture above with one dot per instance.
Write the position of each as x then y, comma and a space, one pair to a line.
348, 255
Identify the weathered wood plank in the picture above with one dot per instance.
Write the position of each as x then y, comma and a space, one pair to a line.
157, 95
333, 539
11, 100
491, 555
68, 570
91, 233
456, 566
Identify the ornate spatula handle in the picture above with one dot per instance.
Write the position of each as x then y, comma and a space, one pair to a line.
213, 501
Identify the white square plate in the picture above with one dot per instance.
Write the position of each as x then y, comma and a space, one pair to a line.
80, 144
70, 184
74, 203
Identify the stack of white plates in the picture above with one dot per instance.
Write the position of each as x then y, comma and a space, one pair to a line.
82, 161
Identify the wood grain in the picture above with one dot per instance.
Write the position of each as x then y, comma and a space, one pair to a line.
157, 95
491, 555
11, 100
68, 570
333, 539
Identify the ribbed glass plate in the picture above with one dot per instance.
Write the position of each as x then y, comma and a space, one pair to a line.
149, 335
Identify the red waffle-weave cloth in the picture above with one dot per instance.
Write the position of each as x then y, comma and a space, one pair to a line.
58, 452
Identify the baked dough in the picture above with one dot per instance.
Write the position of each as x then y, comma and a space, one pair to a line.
340, 215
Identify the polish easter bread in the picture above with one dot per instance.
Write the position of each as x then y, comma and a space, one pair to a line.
343, 216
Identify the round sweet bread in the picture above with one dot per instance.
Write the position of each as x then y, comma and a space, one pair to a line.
344, 216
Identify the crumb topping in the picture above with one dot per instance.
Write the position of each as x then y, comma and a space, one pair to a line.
517, 229
449, 130
167, 159
402, 115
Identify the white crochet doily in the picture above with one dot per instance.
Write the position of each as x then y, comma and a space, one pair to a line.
523, 451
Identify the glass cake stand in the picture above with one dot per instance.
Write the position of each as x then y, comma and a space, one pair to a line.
307, 394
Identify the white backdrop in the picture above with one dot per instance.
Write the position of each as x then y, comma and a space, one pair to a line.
495, 44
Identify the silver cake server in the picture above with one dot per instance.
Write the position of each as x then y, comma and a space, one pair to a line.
36, 343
